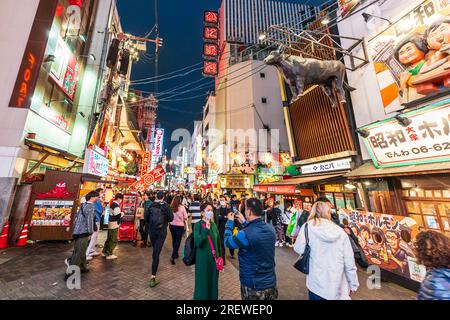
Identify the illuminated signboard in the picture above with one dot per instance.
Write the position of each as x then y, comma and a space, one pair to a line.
211, 46
64, 70
145, 163
95, 163
158, 143
211, 50
211, 17
33, 55
424, 138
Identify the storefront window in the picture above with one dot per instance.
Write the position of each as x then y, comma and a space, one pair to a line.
340, 201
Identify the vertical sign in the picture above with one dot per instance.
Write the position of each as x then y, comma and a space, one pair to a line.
210, 46
145, 163
158, 144
33, 56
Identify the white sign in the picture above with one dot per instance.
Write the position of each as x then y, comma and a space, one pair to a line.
158, 143
426, 139
336, 165
95, 163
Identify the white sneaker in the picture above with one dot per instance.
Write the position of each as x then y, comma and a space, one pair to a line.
94, 254
89, 258
111, 257
276, 244
104, 255
281, 244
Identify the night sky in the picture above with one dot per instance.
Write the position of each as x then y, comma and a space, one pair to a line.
181, 26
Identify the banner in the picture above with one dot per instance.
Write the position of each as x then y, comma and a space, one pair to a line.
145, 163
158, 143
150, 178
387, 241
425, 139
411, 57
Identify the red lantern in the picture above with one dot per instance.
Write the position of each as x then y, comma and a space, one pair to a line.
211, 33
211, 50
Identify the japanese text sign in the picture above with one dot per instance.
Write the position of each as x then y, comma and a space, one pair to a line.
150, 178
426, 139
211, 17
158, 144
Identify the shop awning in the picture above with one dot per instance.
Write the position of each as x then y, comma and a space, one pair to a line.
289, 186
368, 170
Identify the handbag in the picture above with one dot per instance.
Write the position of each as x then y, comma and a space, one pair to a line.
302, 263
219, 260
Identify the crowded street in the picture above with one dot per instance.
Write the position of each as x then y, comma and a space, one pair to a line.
222, 152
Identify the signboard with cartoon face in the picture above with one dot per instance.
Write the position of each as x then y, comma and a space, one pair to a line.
411, 57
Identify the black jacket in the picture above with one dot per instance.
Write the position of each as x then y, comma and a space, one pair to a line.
165, 209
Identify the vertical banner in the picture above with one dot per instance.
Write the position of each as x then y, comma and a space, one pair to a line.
33, 56
158, 143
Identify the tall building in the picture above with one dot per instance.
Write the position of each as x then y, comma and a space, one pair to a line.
242, 21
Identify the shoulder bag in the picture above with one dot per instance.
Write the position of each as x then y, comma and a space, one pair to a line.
219, 260
302, 263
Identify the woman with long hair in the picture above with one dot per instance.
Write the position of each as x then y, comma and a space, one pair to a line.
433, 251
332, 270
206, 238
178, 226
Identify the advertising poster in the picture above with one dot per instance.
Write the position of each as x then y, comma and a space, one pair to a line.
387, 241
425, 139
150, 178
95, 163
411, 57
52, 213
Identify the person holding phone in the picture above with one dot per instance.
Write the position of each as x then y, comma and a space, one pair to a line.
256, 244
206, 274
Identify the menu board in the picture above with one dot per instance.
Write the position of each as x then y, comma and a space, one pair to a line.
387, 241
52, 213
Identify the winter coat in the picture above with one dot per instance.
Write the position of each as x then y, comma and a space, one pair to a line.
332, 269
436, 285
84, 221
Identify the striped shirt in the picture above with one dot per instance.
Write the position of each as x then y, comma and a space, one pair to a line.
194, 210
239, 240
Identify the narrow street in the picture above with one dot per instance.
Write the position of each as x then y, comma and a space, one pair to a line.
36, 272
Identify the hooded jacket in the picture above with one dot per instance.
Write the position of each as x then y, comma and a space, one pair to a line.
332, 269
436, 285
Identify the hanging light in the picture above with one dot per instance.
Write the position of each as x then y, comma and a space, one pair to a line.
325, 20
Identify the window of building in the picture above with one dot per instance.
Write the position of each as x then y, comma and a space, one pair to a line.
264, 100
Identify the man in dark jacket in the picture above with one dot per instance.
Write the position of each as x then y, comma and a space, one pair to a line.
256, 244
158, 219
84, 227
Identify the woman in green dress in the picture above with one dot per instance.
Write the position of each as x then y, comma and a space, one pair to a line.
206, 274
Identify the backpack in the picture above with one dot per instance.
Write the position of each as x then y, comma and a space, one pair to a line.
189, 251
157, 217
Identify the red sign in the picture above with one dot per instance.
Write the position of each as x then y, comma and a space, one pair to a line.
211, 49
33, 56
60, 192
211, 33
210, 68
145, 163
211, 17
289, 189
150, 178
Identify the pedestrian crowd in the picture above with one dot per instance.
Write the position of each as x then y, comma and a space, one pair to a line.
213, 224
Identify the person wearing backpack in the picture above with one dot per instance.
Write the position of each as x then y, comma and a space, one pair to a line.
83, 229
332, 271
159, 217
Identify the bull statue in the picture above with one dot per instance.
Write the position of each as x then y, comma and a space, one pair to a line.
298, 72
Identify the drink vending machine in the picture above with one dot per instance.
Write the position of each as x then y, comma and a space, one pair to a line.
129, 207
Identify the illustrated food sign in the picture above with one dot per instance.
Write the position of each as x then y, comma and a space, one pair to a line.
52, 213
65, 68
210, 45
95, 163
387, 241
158, 145
426, 139
149, 179
411, 57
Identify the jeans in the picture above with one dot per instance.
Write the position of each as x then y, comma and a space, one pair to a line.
177, 234
143, 230
111, 241
78, 257
157, 237
91, 248
280, 233
313, 296
288, 239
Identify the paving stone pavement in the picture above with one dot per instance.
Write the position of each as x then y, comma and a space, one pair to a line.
37, 272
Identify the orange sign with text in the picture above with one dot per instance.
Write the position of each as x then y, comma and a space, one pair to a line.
150, 178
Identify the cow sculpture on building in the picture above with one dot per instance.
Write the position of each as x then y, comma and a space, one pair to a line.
298, 72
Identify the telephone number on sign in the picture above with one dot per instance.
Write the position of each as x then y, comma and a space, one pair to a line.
419, 150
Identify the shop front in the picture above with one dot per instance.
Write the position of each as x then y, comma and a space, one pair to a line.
238, 184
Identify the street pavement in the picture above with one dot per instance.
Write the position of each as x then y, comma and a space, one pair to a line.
37, 271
